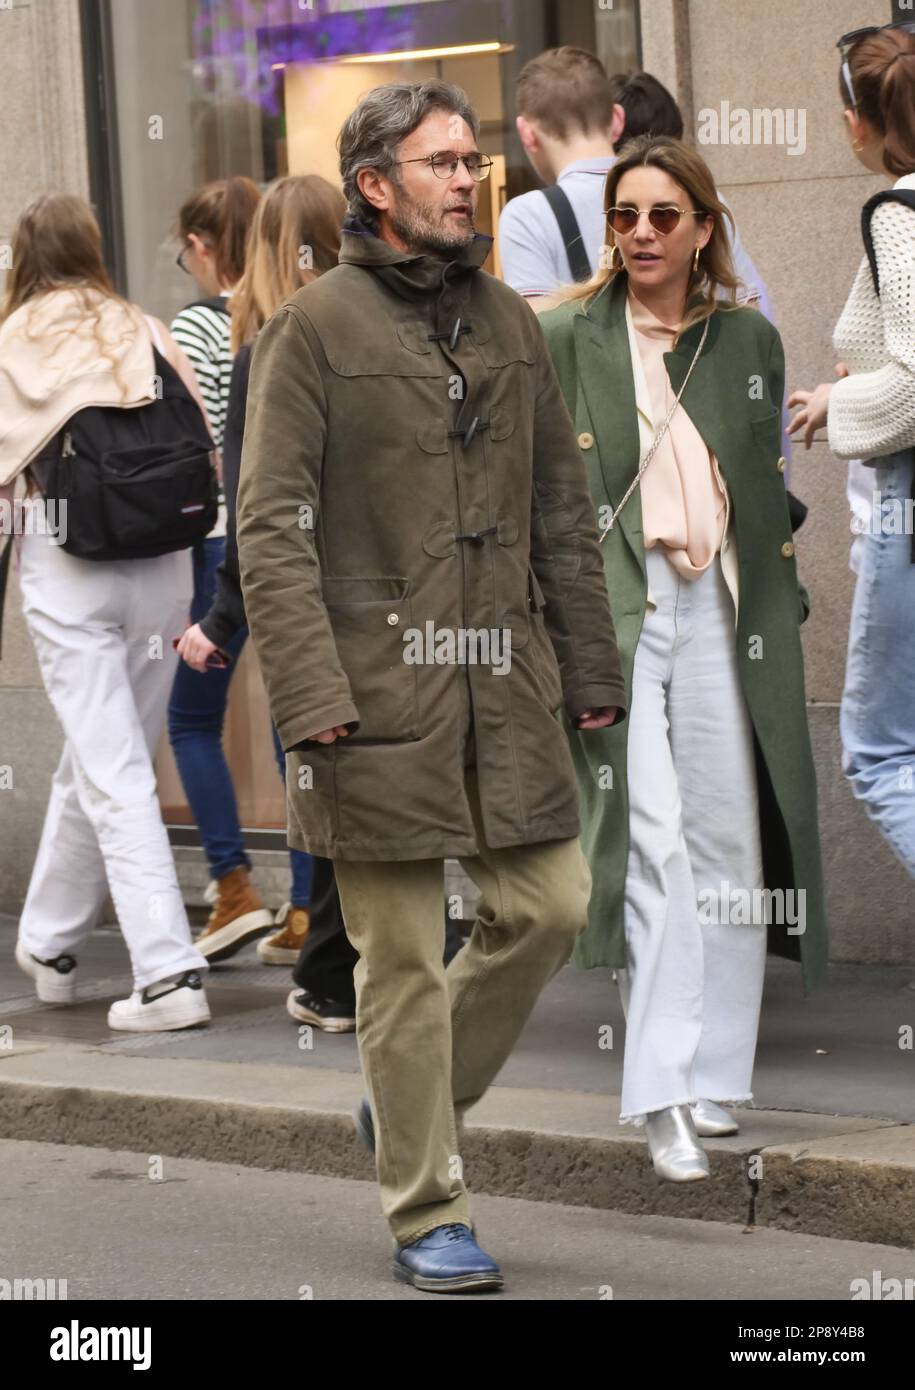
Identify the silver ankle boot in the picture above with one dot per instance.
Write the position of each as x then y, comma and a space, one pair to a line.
674, 1145
712, 1121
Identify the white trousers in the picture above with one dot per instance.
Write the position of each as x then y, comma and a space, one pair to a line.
692, 988
102, 631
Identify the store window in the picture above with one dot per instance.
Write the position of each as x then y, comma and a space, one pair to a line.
200, 89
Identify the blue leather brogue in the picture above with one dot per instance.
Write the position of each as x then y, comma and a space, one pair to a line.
447, 1260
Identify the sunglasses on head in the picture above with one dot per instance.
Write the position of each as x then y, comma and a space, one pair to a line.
853, 35
663, 219
849, 40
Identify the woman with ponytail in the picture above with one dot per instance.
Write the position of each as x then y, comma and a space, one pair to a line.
295, 237
870, 415
213, 226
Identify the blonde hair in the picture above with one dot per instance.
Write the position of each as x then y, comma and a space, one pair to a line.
297, 215
57, 245
715, 280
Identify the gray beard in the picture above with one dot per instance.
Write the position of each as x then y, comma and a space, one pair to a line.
415, 223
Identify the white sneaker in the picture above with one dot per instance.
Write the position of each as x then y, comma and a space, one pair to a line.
55, 980
178, 1002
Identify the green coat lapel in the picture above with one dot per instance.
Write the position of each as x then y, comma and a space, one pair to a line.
701, 397
605, 373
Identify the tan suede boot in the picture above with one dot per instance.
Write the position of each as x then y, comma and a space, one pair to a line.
238, 916
283, 947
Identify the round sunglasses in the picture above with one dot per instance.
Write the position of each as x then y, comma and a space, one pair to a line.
663, 219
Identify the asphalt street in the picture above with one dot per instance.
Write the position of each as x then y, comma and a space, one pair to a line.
119, 1225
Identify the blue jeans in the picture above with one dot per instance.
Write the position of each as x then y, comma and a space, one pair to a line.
877, 717
196, 714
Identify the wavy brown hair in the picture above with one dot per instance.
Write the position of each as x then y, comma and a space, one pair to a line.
714, 285
57, 245
882, 70
220, 213
297, 213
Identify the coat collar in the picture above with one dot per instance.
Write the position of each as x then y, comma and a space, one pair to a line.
408, 274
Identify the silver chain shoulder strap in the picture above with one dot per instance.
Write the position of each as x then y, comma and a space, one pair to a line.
657, 439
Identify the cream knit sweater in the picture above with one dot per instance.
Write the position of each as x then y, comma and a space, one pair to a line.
872, 411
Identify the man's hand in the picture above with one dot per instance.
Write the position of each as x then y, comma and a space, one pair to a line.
597, 718
330, 735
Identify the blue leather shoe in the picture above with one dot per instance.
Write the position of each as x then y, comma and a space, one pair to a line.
365, 1125
447, 1260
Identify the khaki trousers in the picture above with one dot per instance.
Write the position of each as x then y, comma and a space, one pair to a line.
432, 1040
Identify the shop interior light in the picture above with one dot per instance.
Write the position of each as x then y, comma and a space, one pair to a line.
412, 54
409, 55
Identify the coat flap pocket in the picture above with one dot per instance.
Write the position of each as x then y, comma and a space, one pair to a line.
415, 337
439, 540
339, 589
501, 423
763, 424
505, 347
433, 439
367, 356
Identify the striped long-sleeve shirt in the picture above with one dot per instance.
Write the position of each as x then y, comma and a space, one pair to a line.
203, 333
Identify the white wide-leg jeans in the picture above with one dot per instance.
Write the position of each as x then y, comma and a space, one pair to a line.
103, 634
692, 988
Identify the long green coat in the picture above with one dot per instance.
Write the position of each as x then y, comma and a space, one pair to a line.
370, 506
734, 399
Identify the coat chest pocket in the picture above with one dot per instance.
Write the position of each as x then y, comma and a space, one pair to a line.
766, 433
368, 617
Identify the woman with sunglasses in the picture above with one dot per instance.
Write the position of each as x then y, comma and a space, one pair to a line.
699, 812
870, 415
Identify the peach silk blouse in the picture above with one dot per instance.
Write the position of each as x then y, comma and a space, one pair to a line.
684, 502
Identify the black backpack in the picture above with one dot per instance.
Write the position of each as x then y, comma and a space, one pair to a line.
134, 482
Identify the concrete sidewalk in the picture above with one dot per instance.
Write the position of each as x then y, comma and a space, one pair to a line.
835, 1087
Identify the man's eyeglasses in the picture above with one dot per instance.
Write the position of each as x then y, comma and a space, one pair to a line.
663, 219
848, 41
444, 163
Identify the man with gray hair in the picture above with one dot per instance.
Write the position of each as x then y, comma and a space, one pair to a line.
409, 466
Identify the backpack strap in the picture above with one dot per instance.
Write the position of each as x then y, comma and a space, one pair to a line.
154, 332
889, 195
579, 264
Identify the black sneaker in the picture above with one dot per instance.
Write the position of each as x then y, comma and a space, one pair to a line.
306, 1007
